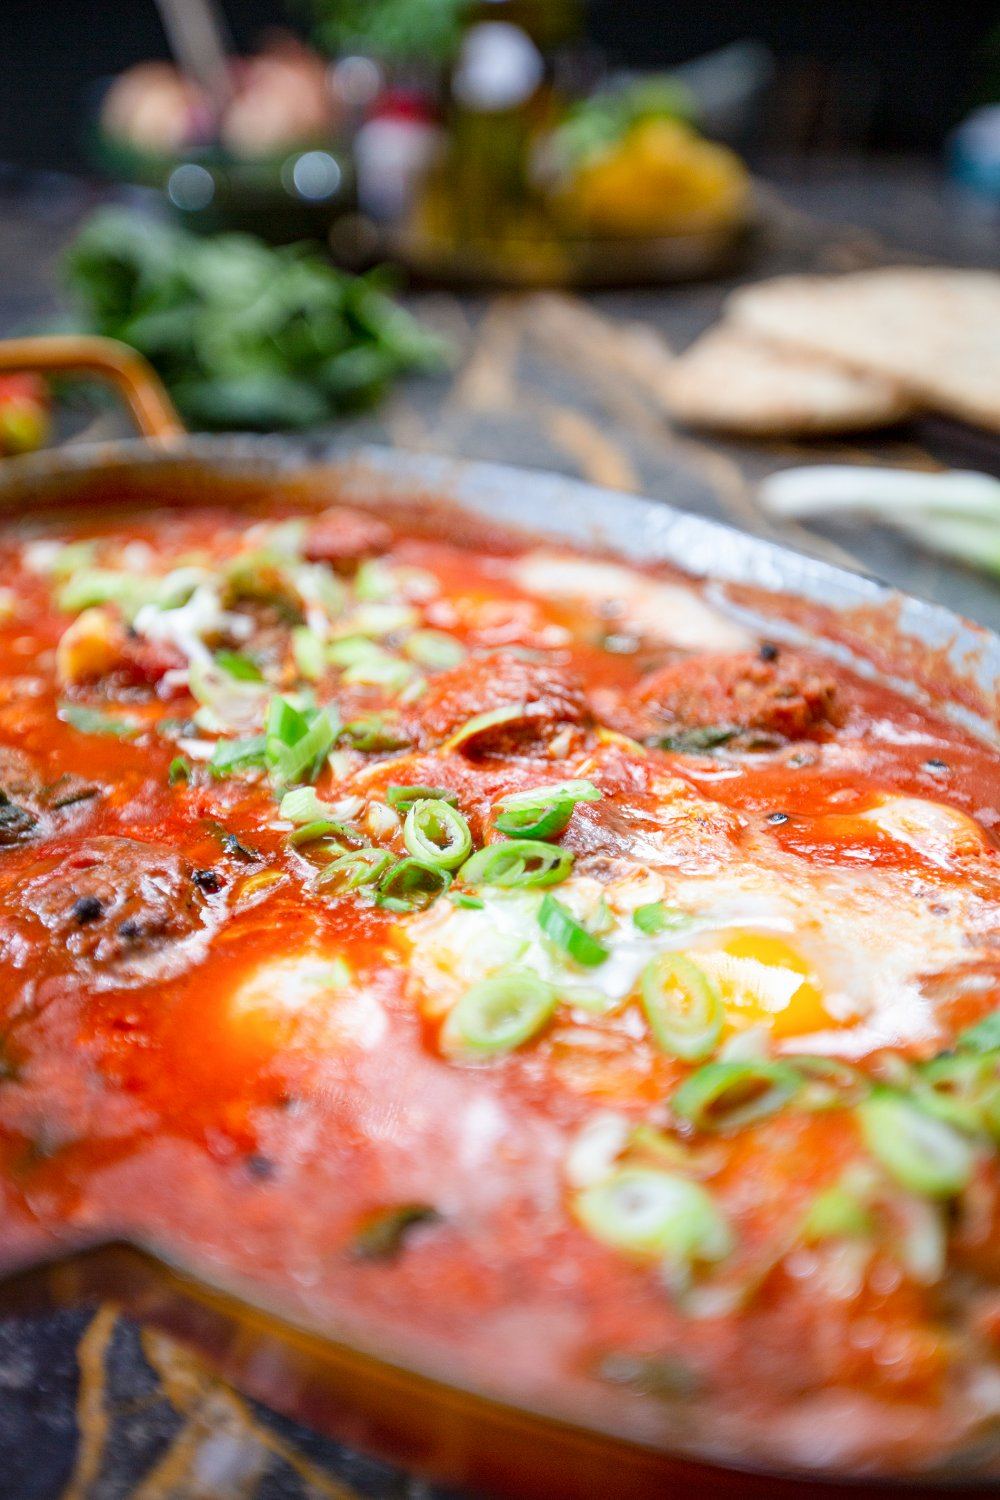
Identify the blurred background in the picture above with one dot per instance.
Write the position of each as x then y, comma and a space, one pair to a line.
851, 75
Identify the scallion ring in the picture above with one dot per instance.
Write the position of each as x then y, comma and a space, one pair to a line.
350, 871
829, 1083
403, 797
682, 1005
561, 927
644, 1211
543, 812
727, 1095
411, 885
921, 1152
493, 718
499, 1013
517, 863
437, 833
656, 917
962, 1088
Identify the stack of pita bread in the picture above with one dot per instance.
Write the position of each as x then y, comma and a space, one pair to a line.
805, 356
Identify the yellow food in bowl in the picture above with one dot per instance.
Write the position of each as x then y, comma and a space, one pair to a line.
660, 178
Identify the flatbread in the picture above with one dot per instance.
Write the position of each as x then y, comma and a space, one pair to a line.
936, 332
731, 381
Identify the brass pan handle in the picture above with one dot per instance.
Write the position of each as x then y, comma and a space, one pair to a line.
83, 354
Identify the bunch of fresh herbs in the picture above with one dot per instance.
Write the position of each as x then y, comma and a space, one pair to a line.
243, 335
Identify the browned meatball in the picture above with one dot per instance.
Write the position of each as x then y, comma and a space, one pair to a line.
546, 698
343, 538
20, 784
109, 901
755, 698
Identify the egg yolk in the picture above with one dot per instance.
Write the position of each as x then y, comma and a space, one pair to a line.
763, 981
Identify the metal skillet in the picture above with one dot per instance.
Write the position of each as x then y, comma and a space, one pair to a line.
387, 1400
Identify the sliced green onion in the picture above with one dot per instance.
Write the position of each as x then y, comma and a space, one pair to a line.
479, 724
838, 1212
468, 903
379, 669
238, 665
382, 618
374, 581
297, 746
373, 732
924, 1154
434, 650
237, 755
309, 653
727, 1095
301, 805
403, 797
962, 1088
227, 703
93, 721
682, 1005
322, 828
983, 1037
543, 812
179, 769
72, 557
520, 863
412, 885
561, 927
644, 1211
437, 833
656, 917
354, 869
350, 650
829, 1083
92, 586
499, 1013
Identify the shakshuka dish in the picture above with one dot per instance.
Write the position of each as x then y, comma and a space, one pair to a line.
506, 952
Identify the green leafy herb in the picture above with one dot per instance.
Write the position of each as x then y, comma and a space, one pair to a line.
983, 1037
178, 770
243, 335
230, 756
562, 928
656, 917
604, 118
94, 721
395, 31
239, 666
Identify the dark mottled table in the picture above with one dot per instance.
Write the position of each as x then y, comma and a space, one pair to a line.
94, 1407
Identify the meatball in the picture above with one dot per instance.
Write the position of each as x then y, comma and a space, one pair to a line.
110, 901
343, 538
758, 699
544, 696
19, 784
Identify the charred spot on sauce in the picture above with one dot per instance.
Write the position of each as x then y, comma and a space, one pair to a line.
16, 822
665, 1377
777, 818
69, 790
87, 909
383, 1234
209, 881
234, 846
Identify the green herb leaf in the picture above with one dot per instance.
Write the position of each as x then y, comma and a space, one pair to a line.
94, 721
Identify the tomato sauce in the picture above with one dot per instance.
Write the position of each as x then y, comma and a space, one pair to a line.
209, 1051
